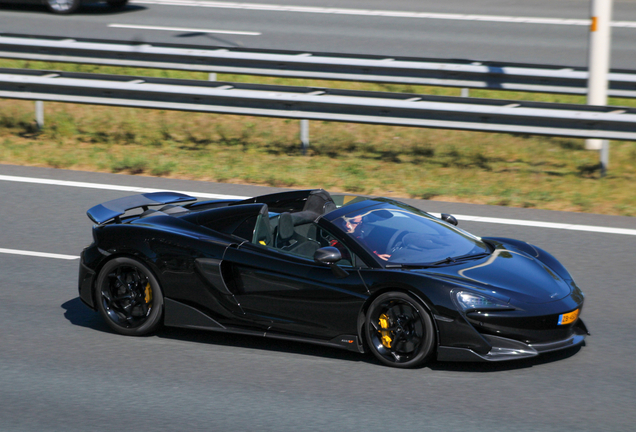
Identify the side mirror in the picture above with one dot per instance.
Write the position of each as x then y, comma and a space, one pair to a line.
330, 255
327, 255
449, 218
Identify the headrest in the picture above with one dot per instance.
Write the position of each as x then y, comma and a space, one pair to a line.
262, 231
319, 202
285, 226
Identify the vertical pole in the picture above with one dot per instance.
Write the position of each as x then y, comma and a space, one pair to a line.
604, 156
598, 66
39, 114
304, 135
464, 92
212, 76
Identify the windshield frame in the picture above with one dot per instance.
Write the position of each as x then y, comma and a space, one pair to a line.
463, 243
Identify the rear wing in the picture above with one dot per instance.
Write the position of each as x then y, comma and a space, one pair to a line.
107, 211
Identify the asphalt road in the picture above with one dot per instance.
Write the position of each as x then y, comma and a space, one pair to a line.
62, 369
364, 31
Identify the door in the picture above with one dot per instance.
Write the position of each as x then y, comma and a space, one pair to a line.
292, 292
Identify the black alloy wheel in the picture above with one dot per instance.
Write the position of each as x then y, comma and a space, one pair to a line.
62, 6
129, 297
399, 330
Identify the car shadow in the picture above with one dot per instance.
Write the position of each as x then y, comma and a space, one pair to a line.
80, 315
260, 343
77, 313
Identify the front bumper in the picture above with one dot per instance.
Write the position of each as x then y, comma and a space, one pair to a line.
504, 349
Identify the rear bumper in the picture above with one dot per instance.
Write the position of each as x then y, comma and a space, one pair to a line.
504, 349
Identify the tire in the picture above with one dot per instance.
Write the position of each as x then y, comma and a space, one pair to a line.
399, 330
129, 297
117, 4
62, 6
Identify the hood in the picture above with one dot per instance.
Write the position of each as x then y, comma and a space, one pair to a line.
510, 274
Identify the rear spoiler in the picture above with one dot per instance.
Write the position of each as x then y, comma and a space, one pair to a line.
107, 211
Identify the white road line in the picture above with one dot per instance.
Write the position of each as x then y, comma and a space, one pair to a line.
552, 225
38, 254
502, 221
381, 13
110, 187
184, 29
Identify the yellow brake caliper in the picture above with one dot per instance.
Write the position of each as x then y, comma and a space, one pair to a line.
148, 291
386, 338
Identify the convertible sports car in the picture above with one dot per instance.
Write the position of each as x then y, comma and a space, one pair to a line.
364, 274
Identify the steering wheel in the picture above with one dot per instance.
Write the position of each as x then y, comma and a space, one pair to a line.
394, 242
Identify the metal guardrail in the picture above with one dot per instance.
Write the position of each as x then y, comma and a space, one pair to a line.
297, 64
399, 109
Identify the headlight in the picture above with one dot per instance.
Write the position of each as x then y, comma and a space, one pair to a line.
467, 300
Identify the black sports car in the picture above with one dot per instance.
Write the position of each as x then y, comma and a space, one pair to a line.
364, 274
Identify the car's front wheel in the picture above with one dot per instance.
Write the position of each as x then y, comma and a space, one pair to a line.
62, 6
129, 297
399, 330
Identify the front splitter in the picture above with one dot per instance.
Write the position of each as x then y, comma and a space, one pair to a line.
504, 349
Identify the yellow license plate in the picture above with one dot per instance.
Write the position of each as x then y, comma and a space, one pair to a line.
568, 318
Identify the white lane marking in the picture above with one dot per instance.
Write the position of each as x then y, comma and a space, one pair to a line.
111, 187
518, 222
382, 13
184, 29
38, 254
552, 225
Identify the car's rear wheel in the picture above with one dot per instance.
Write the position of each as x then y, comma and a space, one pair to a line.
129, 297
399, 330
62, 6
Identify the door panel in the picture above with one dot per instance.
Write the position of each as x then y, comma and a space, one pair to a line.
295, 295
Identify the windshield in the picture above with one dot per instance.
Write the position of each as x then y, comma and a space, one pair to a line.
400, 234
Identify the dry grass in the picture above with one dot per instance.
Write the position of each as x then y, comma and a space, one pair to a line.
520, 171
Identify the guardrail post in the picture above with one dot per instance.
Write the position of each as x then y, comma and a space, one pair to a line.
212, 76
598, 65
304, 135
39, 114
464, 92
604, 156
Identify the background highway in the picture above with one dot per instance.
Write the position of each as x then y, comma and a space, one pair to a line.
61, 369
292, 25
